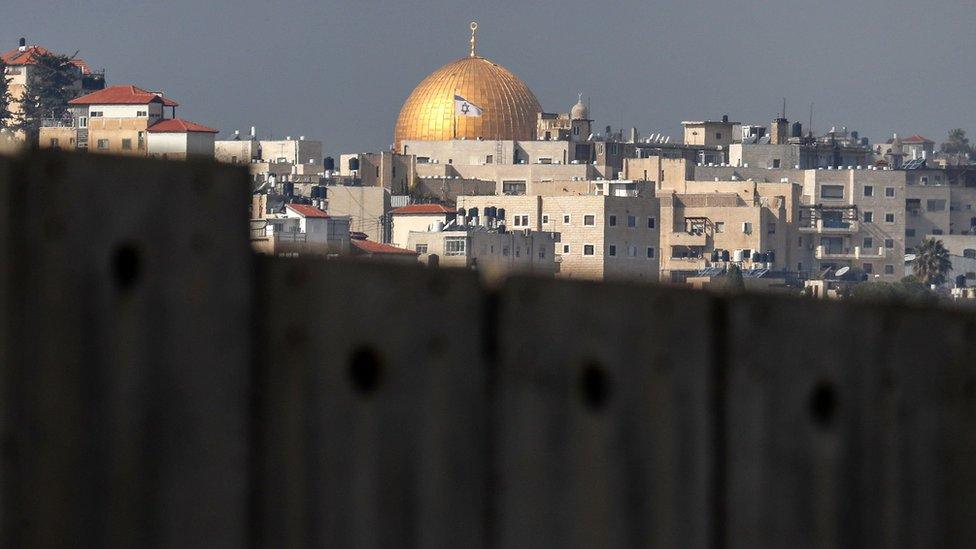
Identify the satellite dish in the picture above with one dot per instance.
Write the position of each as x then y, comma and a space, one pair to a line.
842, 271
909, 258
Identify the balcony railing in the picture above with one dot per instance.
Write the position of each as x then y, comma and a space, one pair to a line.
830, 226
822, 252
57, 123
682, 238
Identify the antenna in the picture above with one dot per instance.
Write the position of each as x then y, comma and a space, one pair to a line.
783, 116
810, 127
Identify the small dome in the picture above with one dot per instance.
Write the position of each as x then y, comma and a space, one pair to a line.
579, 110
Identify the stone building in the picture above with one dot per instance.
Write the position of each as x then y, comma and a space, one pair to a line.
600, 237
494, 252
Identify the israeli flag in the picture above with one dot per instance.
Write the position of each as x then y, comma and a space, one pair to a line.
464, 108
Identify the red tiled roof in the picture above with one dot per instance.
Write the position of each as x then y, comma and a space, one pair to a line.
917, 139
29, 56
305, 210
122, 95
423, 209
370, 247
178, 125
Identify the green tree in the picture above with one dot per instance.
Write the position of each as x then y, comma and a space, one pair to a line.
6, 117
47, 93
932, 262
957, 142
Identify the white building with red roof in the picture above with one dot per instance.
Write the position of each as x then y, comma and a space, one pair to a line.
129, 120
417, 217
21, 66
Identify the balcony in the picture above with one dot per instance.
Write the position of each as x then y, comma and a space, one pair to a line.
682, 238
831, 226
822, 252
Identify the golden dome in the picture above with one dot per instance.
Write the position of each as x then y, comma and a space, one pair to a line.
509, 108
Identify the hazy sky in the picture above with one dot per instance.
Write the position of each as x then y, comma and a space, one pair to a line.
339, 71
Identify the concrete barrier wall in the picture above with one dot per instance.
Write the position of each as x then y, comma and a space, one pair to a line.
162, 386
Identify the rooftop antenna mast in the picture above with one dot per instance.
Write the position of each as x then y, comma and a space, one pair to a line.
783, 116
474, 36
810, 127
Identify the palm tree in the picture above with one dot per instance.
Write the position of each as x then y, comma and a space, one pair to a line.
931, 262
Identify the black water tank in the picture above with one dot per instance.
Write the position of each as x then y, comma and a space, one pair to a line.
473, 212
771, 256
501, 213
329, 163
756, 257
961, 281
715, 255
797, 130
490, 211
725, 255
353, 164
461, 212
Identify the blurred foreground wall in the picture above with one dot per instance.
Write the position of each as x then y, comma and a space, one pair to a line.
160, 386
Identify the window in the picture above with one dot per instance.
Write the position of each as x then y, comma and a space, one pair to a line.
545, 219
718, 135
489, 159
102, 144
126, 144
505, 251
612, 250
799, 241
565, 248
889, 269
776, 162
936, 231
54, 143
142, 114
542, 254
889, 243
612, 221
832, 191
867, 267
650, 253
935, 205
747, 227
969, 252
588, 249
455, 245
631, 251
421, 248
96, 114
868, 190
889, 218
889, 192
868, 243
868, 217
589, 220
521, 220
771, 228
513, 187
631, 221
719, 226
925, 179
566, 220
909, 232
651, 222
971, 275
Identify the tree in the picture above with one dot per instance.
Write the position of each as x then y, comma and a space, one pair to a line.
957, 143
47, 93
732, 281
932, 262
6, 117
